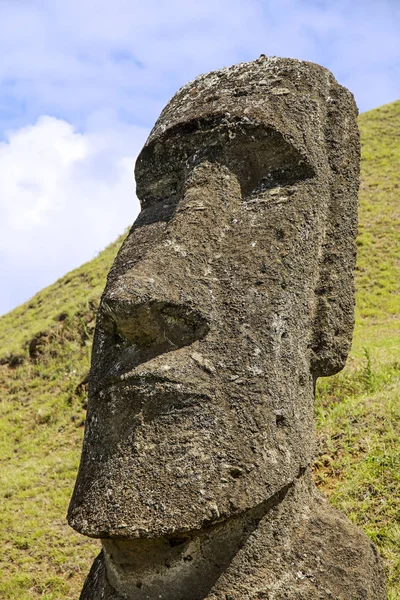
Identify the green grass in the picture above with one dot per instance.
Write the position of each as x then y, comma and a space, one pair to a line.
42, 412
358, 410
378, 262
75, 294
358, 458
43, 399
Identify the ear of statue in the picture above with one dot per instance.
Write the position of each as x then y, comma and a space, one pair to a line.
335, 297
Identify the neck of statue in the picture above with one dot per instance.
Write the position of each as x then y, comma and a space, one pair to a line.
193, 565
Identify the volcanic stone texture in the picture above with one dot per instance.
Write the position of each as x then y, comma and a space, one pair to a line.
232, 293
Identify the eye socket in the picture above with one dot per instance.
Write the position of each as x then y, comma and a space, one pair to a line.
258, 155
285, 177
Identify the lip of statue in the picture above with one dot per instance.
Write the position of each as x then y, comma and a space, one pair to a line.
150, 387
144, 379
151, 373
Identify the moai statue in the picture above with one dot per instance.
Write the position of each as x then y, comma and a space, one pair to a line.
232, 293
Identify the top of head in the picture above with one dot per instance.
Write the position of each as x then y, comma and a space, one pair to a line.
259, 117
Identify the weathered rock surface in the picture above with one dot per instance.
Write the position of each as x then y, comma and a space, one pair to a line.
232, 293
294, 546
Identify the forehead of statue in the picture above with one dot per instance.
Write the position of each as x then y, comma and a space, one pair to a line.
258, 154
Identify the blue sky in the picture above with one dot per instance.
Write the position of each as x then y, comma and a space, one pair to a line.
82, 82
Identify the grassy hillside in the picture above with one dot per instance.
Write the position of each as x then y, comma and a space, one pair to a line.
44, 358
358, 411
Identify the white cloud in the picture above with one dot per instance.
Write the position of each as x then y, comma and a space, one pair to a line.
70, 58
104, 70
64, 196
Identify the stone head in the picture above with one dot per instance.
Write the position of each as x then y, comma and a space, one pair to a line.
231, 294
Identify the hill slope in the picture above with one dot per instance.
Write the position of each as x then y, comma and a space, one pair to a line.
44, 359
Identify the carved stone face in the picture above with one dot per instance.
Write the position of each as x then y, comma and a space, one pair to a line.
230, 295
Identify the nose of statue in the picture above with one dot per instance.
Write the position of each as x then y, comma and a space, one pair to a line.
148, 315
